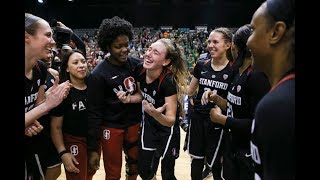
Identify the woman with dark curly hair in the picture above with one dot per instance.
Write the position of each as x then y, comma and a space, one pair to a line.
114, 104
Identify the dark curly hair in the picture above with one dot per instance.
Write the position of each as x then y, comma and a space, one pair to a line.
110, 29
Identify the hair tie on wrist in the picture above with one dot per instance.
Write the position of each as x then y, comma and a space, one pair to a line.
62, 153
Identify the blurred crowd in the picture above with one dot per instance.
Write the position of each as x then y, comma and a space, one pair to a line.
192, 41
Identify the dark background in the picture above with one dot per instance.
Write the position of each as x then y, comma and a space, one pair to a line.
153, 13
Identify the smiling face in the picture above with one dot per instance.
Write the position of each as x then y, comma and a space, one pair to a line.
77, 66
155, 56
40, 43
119, 50
217, 45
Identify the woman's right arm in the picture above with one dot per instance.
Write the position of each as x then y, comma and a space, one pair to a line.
193, 86
215, 98
54, 96
95, 108
57, 138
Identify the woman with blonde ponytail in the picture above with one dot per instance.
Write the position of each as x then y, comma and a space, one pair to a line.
161, 79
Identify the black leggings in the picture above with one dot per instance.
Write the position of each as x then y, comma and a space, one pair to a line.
197, 167
148, 165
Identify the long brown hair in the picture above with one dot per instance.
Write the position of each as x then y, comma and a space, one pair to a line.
178, 67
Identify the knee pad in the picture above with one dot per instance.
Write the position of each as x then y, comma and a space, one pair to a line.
131, 166
127, 145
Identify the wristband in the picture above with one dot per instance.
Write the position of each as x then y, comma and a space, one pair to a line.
62, 153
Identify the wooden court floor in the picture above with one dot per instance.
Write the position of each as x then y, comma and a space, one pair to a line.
182, 168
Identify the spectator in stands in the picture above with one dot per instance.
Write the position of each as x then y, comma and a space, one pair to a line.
65, 36
66, 40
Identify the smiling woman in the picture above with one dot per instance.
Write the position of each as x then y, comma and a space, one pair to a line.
110, 108
38, 44
214, 74
69, 120
272, 44
161, 78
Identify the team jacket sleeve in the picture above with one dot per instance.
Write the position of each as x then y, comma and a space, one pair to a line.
239, 125
258, 85
95, 102
277, 135
79, 43
136, 71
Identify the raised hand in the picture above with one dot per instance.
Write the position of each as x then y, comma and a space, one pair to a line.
151, 110
124, 96
56, 93
209, 96
205, 97
216, 115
